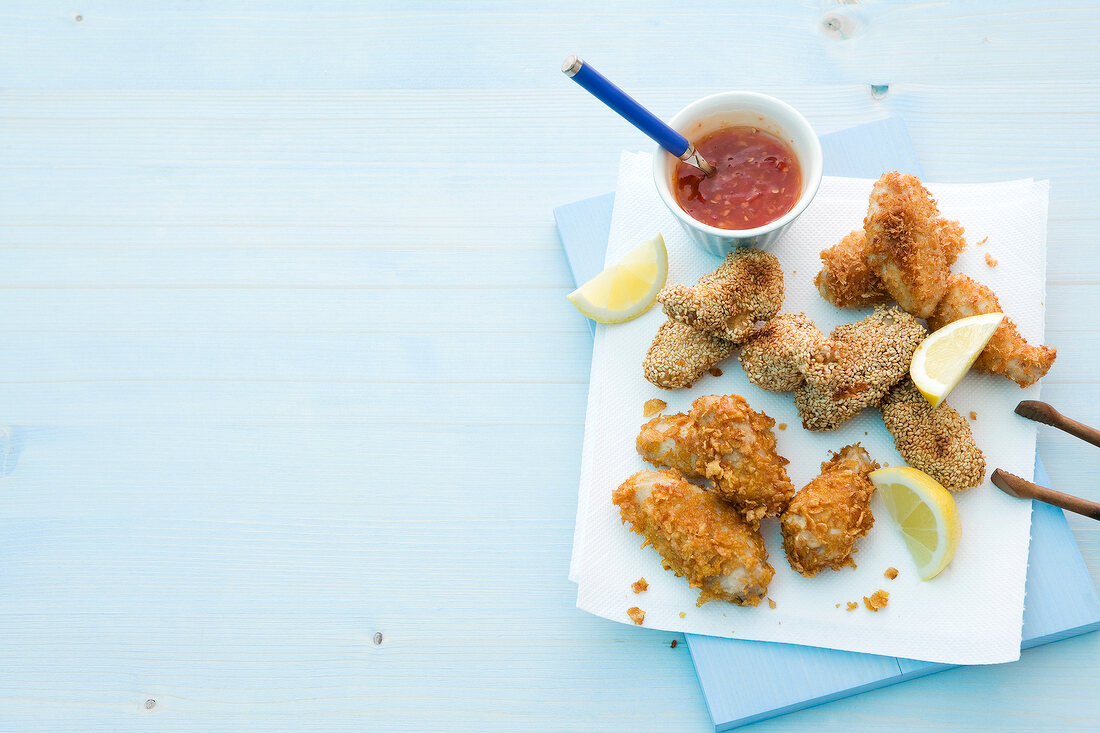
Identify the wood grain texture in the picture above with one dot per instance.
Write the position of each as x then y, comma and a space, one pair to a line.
265, 403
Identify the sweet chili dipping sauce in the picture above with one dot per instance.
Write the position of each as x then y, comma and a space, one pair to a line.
756, 179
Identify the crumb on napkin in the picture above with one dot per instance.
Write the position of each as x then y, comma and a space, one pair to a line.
782, 426
639, 585
715, 372
636, 615
682, 614
989, 260
877, 600
973, 415
652, 407
771, 603
852, 605
891, 573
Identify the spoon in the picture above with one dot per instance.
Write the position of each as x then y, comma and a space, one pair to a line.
634, 113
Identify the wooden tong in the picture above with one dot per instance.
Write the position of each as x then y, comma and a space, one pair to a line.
1015, 486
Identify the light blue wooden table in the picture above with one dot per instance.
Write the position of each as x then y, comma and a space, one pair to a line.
294, 397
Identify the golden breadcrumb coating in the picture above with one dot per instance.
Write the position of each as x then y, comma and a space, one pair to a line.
846, 280
1007, 353
903, 247
825, 518
936, 440
951, 238
780, 354
697, 535
680, 355
746, 288
872, 355
724, 440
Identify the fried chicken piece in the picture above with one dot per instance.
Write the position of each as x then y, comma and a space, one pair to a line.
746, 288
724, 440
1007, 353
872, 355
936, 440
951, 238
825, 518
778, 358
907, 251
903, 243
680, 355
846, 280
697, 535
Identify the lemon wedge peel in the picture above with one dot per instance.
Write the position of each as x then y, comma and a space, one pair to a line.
626, 289
943, 358
925, 514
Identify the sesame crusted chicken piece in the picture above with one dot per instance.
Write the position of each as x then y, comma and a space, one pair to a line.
725, 441
747, 287
680, 355
827, 517
697, 535
1007, 353
780, 354
936, 440
872, 355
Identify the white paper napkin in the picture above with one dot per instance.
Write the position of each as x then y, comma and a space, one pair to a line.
972, 613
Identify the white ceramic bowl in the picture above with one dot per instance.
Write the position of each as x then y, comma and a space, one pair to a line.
729, 109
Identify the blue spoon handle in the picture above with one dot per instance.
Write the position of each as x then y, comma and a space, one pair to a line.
605, 91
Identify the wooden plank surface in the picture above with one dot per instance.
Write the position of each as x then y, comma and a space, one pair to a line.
287, 363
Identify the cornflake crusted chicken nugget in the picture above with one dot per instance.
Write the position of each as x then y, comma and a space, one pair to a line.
746, 288
698, 536
936, 440
723, 439
825, 518
873, 355
680, 355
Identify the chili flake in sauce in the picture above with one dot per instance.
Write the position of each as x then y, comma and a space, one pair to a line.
756, 180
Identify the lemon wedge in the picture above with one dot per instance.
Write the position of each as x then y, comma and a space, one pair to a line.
944, 358
626, 289
925, 513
